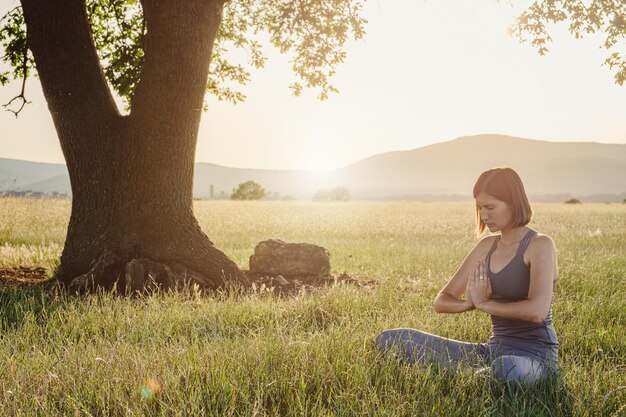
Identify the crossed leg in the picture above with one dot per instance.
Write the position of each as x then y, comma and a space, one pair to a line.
518, 370
418, 347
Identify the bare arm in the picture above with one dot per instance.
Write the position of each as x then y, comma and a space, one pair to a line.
449, 298
543, 272
446, 303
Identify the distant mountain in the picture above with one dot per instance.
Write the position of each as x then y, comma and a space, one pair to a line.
59, 183
21, 174
578, 168
450, 168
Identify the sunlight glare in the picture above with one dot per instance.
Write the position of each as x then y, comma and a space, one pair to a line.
319, 165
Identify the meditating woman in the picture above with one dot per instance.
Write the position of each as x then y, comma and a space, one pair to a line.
509, 275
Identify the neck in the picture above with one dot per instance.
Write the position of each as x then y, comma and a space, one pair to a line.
512, 235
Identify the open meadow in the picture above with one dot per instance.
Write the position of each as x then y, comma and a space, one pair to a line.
254, 354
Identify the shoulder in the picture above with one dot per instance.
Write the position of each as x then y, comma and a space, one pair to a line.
542, 241
483, 245
542, 253
541, 245
487, 241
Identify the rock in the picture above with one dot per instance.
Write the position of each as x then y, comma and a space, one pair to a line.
275, 257
281, 280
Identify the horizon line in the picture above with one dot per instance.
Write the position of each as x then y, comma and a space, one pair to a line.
364, 158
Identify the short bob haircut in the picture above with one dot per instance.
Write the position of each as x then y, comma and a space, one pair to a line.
504, 184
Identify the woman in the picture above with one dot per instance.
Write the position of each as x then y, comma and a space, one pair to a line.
511, 276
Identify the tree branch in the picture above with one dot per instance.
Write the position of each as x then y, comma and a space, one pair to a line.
21, 95
60, 39
177, 55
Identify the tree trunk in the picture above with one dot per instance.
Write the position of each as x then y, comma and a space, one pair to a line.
132, 224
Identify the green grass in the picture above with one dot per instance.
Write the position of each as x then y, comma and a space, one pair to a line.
254, 354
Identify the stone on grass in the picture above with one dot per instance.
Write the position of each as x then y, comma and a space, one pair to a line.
281, 280
275, 257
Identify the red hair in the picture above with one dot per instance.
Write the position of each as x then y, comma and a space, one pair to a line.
505, 185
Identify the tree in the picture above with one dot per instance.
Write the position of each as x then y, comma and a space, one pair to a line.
334, 194
248, 190
601, 16
132, 224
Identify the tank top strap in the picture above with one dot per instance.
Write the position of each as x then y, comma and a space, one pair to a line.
523, 245
493, 247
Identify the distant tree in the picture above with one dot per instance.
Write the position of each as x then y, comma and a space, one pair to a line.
596, 16
333, 194
321, 195
275, 195
132, 221
272, 195
211, 192
248, 190
573, 201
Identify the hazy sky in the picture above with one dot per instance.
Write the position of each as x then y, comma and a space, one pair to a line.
427, 71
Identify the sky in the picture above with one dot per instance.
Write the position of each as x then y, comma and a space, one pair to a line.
427, 71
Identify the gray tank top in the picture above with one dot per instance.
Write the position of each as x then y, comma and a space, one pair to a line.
509, 285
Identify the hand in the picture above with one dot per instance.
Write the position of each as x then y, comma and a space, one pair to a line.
468, 293
479, 285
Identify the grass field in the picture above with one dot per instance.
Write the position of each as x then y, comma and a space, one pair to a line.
254, 354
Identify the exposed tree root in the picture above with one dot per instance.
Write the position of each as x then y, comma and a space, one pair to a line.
143, 276
287, 286
139, 276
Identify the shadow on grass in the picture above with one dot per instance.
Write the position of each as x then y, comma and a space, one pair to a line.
463, 392
550, 397
19, 303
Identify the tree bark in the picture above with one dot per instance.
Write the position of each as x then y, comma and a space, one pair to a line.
132, 224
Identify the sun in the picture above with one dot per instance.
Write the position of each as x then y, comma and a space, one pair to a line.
319, 166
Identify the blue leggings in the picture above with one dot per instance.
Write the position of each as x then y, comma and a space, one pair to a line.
506, 365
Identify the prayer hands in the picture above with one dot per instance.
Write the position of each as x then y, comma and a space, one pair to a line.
478, 285
468, 292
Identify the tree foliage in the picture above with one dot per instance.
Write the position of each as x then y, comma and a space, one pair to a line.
596, 16
333, 194
313, 32
248, 190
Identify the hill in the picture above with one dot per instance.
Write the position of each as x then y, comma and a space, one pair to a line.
550, 170
16, 174
578, 168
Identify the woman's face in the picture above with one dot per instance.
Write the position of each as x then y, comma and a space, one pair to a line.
496, 214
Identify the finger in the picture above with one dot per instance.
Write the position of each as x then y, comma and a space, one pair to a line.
479, 276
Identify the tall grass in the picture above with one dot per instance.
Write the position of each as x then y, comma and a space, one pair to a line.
255, 354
